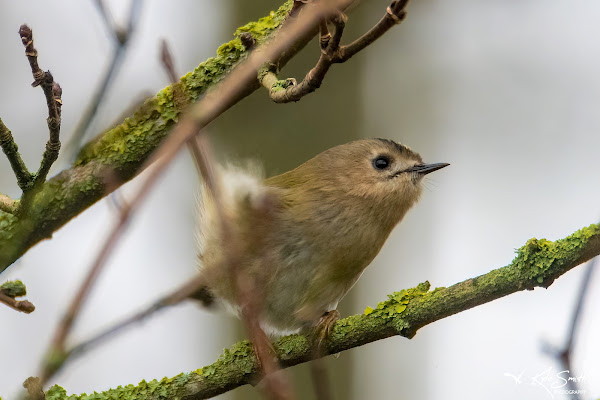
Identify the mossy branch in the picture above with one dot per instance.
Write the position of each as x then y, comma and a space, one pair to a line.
117, 155
537, 264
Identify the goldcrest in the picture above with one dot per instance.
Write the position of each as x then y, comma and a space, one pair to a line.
303, 238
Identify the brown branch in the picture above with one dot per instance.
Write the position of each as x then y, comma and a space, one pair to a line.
285, 91
121, 38
276, 386
53, 93
19, 305
166, 59
12, 289
57, 353
563, 355
175, 297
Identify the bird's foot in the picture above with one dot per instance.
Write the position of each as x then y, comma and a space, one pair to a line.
323, 331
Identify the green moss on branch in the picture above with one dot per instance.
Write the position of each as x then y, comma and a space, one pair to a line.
404, 313
13, 289
118, 154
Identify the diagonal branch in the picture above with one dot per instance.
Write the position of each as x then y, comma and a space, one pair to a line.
537, 264
564, 355
121, 37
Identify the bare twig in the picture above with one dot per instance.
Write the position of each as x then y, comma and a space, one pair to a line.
175, 297
284, 91
320, 377
194, 146
585, 283
12, 289
318, 368
53, 94
276, 386
19, 305
563, 356
7, 142
166, 58
250, 300
58, 342
121, 38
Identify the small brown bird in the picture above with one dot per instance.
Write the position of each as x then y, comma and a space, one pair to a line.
304, 237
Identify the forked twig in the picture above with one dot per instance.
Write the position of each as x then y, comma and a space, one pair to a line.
287, 90
53, 94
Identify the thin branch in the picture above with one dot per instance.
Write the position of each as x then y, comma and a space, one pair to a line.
285, 91
10, 148
537, 264
277, 386
166, 58
53, 94
12, 289
203, 157
564, 355
394, 15
18, 305
57, 347
53, 144
320, 377
121, 39
175, 297
585, 284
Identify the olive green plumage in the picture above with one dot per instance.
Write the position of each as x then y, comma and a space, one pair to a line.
304, 237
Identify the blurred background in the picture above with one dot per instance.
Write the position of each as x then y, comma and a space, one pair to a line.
507, 92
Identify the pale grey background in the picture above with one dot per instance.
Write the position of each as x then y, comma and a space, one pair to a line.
507, 92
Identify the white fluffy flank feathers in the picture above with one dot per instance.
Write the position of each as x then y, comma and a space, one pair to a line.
240, 187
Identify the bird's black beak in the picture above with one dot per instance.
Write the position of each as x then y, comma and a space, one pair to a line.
425, 169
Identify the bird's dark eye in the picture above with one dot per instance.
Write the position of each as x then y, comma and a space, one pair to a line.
381, 162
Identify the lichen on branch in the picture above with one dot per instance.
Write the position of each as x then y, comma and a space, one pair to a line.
117, 155
537, 264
